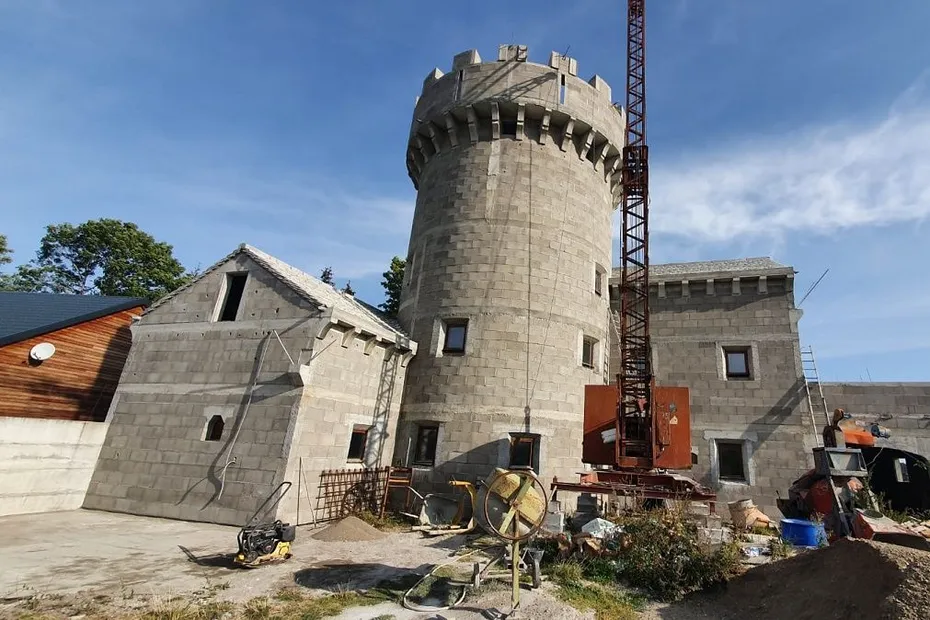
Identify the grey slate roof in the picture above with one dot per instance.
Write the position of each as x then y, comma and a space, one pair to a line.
737, 265
310, 288
26, 315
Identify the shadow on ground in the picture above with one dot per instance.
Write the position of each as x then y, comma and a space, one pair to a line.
216, 560
336, 575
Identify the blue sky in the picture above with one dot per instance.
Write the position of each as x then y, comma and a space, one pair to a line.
794, 129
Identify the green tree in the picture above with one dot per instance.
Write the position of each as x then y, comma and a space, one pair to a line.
393, 282
106, 257
5, 252
327, 275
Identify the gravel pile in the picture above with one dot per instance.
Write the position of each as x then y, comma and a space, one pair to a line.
350, 529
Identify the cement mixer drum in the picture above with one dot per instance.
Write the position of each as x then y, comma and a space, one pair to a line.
513, 504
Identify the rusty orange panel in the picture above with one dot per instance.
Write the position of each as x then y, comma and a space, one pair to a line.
672, 406
600, 413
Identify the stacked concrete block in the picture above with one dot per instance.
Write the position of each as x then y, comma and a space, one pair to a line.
700, 311
288, 378
516, 169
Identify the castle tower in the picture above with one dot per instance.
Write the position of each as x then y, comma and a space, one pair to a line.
517, 167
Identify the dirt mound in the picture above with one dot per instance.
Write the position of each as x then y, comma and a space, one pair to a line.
849, 579
348, 529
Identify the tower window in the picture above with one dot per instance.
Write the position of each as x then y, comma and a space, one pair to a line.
599, 280
588, 350
358, 442
214, 429
425, 453
562, 88
235, 286
456, 335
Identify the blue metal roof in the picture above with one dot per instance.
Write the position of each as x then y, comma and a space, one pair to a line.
26, 315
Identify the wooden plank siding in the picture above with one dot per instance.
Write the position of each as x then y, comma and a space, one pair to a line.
78, 382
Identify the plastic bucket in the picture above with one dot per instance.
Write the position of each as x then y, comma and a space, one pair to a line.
803, 533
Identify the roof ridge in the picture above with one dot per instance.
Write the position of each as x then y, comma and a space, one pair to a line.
303, 283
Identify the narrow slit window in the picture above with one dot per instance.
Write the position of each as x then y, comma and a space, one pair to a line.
562, 88
459, 79
235, 287
214, 429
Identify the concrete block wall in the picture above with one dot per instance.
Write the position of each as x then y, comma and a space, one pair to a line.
903, 408
516, 188
348, 382
691, 323
183, 370
46, 465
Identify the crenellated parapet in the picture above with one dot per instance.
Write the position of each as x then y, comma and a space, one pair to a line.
514, 99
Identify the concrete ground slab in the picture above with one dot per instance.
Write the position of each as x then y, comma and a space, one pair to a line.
132, 559
67, 552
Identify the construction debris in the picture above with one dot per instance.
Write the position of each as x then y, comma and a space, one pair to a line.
348, 529
599, 528
745, 515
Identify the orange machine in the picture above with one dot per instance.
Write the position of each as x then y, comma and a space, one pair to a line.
672, 437
667, 446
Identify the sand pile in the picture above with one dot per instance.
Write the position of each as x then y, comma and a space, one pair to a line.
849, 579
348, 529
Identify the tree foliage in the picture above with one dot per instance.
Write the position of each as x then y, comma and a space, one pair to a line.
327, 275
5, 251
393, 282
106, 257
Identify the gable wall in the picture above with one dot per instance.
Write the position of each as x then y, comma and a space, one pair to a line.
183, 370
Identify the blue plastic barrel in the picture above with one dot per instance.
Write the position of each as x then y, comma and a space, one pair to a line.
803, 533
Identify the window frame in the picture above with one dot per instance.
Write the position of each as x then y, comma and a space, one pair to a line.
534, 440
213, 423
357, 429
230, 277
739, 447
593, 342
421, 428
448, 326
599, 273
747, 361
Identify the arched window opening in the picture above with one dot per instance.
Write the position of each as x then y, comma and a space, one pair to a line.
215, 429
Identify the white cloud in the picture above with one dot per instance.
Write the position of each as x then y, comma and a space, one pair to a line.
821, 179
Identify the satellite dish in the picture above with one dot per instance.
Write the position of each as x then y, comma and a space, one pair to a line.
42, 351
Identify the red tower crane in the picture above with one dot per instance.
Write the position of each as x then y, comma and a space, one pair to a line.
634, 431
635, 376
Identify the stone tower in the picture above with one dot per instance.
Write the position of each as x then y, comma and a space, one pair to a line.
517, 167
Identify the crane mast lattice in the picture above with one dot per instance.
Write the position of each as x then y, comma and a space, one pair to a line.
634, 428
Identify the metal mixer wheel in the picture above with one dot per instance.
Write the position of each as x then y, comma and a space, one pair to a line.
515, 504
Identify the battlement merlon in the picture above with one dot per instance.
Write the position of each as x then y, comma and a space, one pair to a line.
513, 77
480, 101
